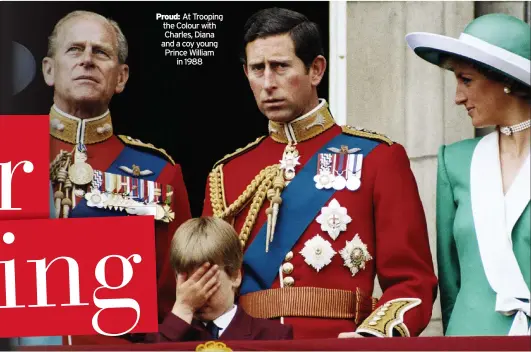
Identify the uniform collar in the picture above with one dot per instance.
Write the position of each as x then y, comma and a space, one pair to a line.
74, 130
304, 127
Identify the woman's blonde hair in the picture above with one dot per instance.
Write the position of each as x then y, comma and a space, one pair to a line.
206, 239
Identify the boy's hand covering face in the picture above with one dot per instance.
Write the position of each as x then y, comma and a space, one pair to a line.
193, 292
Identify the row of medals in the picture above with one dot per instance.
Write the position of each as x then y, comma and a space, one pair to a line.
81, 174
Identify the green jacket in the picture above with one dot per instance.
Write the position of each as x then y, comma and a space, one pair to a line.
471, 206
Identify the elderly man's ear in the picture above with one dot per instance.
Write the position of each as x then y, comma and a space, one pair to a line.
48, 71
123, 76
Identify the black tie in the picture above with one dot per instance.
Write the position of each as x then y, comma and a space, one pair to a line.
213, 329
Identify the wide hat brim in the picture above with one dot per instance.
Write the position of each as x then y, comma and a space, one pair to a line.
432, 47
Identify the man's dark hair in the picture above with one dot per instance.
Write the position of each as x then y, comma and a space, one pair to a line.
274, 21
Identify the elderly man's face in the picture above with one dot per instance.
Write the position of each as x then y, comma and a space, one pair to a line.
85, 68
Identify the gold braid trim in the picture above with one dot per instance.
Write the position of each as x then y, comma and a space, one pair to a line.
69, 128
138, 143
258, 200
362, 132
310, 126
258, 187
239, 151
216, 191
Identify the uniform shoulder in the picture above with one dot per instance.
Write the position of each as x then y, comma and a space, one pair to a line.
365, 133
239, 151
137, 143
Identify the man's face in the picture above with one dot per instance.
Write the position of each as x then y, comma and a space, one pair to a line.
282, 86
84, 69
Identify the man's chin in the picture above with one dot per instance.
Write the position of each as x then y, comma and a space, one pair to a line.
279, 116
87, 96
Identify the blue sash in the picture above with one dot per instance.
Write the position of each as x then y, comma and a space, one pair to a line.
301, 201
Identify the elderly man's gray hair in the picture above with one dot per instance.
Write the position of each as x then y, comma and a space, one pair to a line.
120, 37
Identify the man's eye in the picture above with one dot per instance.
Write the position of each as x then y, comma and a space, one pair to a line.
466, 80
100, 52
74, 49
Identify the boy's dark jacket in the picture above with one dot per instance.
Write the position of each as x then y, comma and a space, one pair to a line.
242, 327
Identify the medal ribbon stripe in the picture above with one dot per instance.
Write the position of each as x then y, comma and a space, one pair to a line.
142, 189
169, 192
128, 185
341, 158
109, 183
150, 187
118, 181
134, 188
299, 208
359, 163
97, 181
156, 192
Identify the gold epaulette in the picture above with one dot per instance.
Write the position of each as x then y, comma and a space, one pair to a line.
138, 143
239, 151
365, 133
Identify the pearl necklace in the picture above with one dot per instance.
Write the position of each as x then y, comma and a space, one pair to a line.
509, 130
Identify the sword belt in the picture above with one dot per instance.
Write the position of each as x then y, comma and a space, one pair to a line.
308, 302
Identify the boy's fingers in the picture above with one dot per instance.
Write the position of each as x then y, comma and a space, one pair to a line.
208, 275
200, 272
180, 279
212, 282
212, 290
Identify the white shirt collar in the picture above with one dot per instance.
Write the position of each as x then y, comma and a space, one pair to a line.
224, 320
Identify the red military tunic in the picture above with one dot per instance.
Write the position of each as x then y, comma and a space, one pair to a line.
387, 215
103, 151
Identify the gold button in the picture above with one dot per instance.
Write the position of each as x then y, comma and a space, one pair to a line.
289, 256
288, 281
287, 268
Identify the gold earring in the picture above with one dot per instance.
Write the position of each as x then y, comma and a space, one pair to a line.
507, 90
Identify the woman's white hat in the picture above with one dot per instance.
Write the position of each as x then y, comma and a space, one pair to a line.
497, 41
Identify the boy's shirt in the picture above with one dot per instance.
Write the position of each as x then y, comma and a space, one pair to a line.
236, 324
223, 321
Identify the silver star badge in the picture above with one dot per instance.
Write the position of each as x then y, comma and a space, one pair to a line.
355, 255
